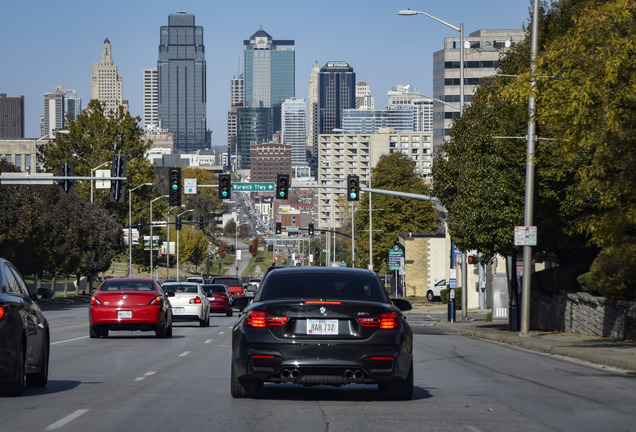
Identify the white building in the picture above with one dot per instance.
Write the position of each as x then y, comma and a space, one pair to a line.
405, 95
345, 154
151, 98
107, 85
294, 129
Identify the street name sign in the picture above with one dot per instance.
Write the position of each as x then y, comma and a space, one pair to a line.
253, 187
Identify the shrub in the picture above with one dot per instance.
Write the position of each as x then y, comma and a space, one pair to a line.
443, 294
613, 273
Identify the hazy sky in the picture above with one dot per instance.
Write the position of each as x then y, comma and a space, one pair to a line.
45, 43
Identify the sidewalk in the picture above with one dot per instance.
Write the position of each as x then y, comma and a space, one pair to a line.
594, 349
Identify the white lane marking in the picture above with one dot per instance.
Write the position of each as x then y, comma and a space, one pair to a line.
208, 341
68, 340
221, 333
472, 429
185, 353
69, 418
146, 375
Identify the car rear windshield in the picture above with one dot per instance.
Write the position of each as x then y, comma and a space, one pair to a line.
189, 288
226, 281
124, 285
322, 286
214, 288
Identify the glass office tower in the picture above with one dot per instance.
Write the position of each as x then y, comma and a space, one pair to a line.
181, 72
336, 92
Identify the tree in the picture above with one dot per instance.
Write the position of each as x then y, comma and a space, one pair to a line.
194, 247
230, 228
394, 172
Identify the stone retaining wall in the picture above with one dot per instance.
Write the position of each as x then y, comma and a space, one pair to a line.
583, 313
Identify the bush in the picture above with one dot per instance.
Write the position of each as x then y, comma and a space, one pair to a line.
613, 273
557, 279
443, 294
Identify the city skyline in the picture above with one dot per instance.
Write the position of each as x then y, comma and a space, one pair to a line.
383, 48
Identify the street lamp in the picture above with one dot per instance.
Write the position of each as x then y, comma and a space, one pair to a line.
92, 171
151, 241
130, 226
460, 29
34, 162
178, 216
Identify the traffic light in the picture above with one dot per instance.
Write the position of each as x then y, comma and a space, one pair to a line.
177, 223
282, 186
310, 228
225, 186
279, 228
117, 169
66, 169
140, 224
472, 259
174, 183
201, 223
353, 188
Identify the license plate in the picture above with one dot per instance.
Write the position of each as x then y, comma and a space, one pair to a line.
124, 314
177, 310
322, 327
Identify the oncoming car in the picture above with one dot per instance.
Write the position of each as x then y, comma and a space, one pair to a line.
129, 304
189, 302
322, 326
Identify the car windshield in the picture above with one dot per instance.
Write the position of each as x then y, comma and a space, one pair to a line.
186, 288
126, 285
321, 285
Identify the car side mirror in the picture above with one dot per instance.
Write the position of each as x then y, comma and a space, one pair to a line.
401, 304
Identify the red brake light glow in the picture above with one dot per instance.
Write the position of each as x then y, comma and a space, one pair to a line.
155, 301
95, 301
1, 312
262, 319
196, 300
323, 302
386, 321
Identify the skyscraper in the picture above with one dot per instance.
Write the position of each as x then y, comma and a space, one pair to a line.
336, 92
269, 73
181, 76
294, 129
72, 105
11, 116
107, 85
237, 95
53, 113
312, 111
151, 96
254, 126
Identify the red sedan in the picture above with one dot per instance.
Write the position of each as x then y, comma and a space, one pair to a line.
219, 298
130, 304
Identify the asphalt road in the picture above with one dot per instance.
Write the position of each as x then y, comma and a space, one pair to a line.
135, 382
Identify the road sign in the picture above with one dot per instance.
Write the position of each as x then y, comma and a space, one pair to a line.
525, 236
396, 255
253, 187
190, 186
291, 228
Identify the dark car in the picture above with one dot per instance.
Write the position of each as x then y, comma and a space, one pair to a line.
322, 326
219, 298
233, 284
24, 334
130, 304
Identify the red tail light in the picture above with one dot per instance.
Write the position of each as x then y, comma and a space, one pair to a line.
155, 301
95, 301
385, 321
196, 300
1, 312
256, 318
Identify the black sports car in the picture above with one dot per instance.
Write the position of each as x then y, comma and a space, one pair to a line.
322, 326
24, 334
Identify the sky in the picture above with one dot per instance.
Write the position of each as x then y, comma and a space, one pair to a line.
46, 43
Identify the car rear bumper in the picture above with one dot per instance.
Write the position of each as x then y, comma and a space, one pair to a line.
221, 305
376, 360
188, 312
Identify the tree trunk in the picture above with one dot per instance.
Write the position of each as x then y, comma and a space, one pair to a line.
66, 286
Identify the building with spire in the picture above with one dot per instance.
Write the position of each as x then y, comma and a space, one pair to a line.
107, 85
181, 83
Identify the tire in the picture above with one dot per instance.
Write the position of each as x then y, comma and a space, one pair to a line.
93, 332
429, 296
40, 378
229, 312
399, 389
205, 322
169, 331
161, 332
104, 333
16, 387
245, 388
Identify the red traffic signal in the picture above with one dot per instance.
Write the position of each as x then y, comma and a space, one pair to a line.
472, 259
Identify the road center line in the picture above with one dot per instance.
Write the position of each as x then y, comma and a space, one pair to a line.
147, 374
69, 418
68, 340
221, 333
185, 353
208, 341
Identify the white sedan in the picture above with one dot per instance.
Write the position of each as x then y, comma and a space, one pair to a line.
188, 301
